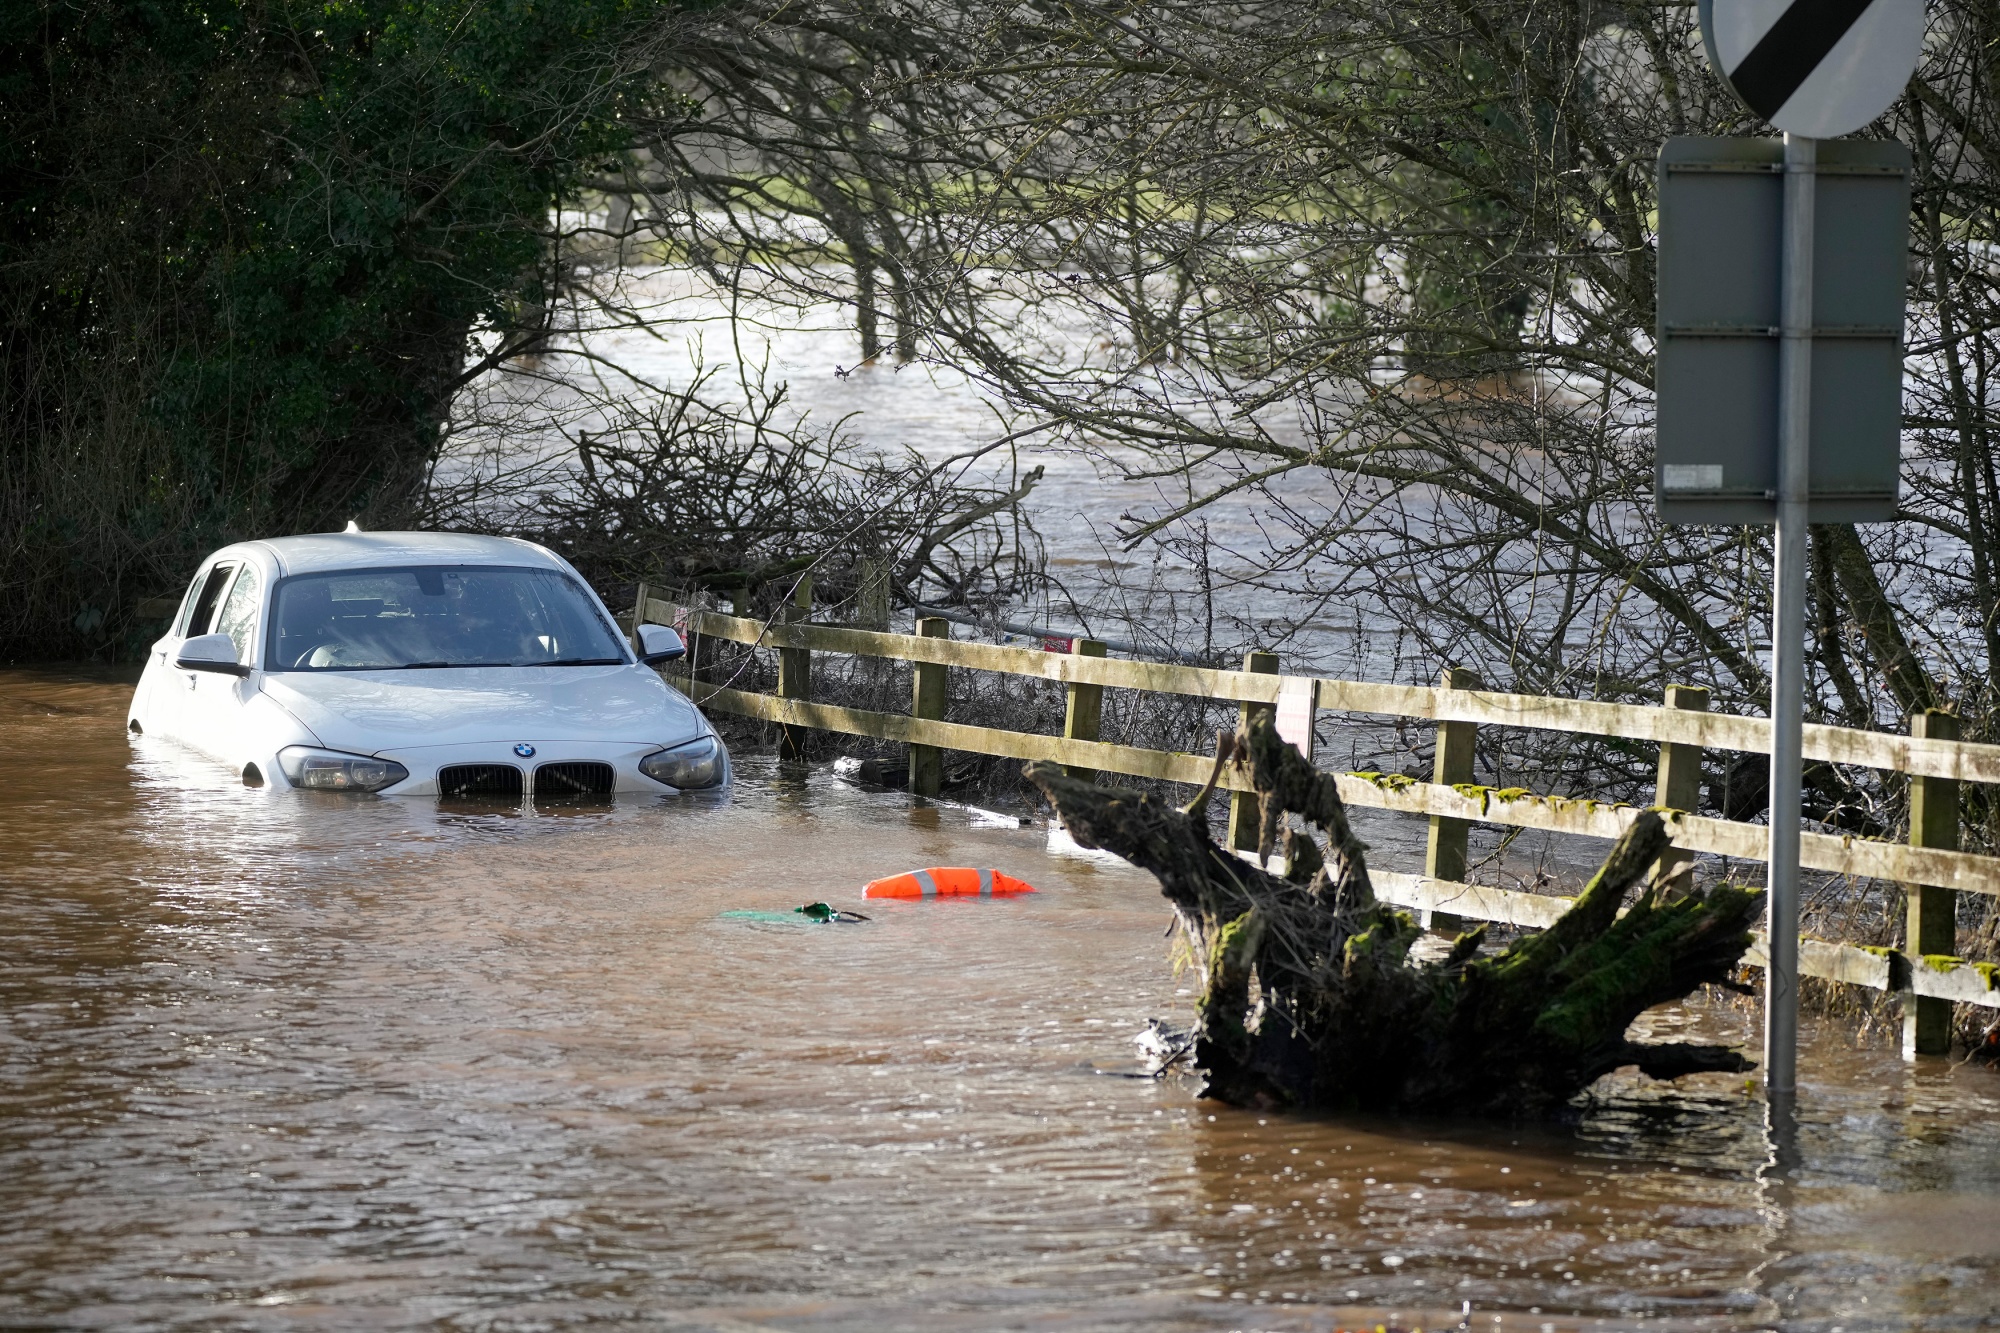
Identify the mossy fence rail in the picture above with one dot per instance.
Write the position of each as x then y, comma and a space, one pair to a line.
1930, 867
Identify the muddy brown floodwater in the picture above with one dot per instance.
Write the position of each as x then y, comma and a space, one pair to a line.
270, 1061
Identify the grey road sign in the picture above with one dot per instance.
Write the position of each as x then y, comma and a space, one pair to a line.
1814, 67
1721, 242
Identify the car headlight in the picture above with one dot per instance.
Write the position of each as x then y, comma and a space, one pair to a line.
699, 763
330, 770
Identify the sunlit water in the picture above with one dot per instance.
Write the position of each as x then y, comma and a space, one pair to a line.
269, 1062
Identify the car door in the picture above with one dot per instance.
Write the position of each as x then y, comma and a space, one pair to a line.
166, 706
213, 722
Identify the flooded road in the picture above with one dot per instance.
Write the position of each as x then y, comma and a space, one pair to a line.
269, 1062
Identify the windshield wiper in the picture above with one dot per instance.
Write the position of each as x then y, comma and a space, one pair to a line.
425, 666
582, 661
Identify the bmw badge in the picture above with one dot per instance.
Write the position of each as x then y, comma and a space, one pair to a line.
525, 750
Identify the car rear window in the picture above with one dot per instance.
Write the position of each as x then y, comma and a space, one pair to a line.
437, 616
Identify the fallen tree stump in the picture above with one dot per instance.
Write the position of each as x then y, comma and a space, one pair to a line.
1309, 998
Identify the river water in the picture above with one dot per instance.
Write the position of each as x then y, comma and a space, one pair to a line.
269, 1062
934, 411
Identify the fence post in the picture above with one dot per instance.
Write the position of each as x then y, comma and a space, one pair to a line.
1085, 710
928, 683
1679, 784
639, 614
1243, 815
1298, 712
795, 670
1444, 854
1932, 923
871, 595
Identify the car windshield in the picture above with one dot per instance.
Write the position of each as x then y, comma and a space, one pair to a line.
437, 616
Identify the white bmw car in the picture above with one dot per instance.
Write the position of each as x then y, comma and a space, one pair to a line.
420, 664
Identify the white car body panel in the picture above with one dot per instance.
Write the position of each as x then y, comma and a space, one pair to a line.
423, 718
373, 710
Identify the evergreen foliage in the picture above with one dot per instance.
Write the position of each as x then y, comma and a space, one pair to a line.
248, 252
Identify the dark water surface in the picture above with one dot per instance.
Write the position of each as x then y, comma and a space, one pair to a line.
274, 1062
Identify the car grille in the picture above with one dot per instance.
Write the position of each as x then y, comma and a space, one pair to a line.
574, 779
479, 780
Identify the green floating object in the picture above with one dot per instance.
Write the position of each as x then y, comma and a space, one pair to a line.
818, 913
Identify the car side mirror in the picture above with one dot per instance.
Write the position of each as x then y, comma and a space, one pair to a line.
211, 652
658, 644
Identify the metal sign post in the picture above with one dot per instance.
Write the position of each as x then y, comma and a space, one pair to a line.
1788, 619
1779, 373
1814, 69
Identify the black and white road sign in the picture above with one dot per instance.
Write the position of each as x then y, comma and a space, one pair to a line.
1818, 68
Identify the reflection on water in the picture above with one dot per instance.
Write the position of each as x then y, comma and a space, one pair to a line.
276, 1062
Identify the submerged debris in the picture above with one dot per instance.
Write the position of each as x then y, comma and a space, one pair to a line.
1164, 1046
874, 772
1309, 997
828, 912
821, 913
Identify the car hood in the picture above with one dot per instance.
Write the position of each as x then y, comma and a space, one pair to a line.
369, 711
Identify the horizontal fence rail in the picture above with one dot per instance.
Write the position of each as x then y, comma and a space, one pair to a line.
1963, 761
1450, 806
1939, 977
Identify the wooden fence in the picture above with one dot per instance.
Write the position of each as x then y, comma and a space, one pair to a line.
1930, 867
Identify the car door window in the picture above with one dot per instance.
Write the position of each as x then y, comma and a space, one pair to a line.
239, 613
205, 596
188, 599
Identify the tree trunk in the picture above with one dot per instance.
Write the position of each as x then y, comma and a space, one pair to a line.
1339, 1017
1902, 670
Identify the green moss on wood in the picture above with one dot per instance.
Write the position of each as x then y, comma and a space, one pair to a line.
1946, 964
1236, 943
1387, 781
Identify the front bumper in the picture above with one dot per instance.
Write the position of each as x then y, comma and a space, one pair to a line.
426, 761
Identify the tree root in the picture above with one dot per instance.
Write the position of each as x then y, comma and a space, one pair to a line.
1308, 996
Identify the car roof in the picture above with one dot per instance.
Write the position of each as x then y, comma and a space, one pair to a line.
323, 551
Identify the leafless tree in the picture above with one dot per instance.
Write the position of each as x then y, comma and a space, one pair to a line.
1376, 279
